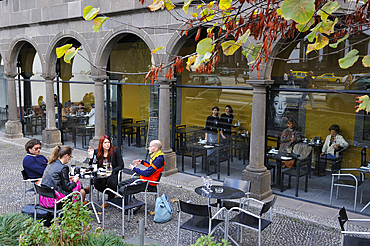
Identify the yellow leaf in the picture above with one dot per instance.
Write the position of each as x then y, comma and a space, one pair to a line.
366, 61
194, 14
155, 50
225, 4
152, 213
327, 27
98, 21
90, 12
174, 200
200, 5
210, 5
70, 54
62, 50
229, 47
245, 36
186, 6
190, 61
169, 5
157, 4
279, 12
321, 42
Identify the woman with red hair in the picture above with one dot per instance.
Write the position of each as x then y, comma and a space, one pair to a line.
106, 152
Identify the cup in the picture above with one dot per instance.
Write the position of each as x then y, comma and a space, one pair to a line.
318, 141
219, 190
95, 167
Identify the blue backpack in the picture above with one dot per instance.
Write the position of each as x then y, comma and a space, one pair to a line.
163, 210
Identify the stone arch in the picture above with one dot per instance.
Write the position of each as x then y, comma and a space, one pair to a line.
58, 40
15, 47
111, 38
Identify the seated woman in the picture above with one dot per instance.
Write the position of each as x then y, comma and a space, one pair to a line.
107, 152
289, 137
56, 175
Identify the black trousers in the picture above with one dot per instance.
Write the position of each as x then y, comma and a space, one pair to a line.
121, 187
110, 182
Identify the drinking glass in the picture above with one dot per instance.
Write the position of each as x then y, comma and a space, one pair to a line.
109, 168
105, 162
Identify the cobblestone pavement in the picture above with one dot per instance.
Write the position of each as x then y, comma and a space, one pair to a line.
289, 226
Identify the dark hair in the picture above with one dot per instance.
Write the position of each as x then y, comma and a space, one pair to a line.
67, 104
31, 143
293, 123
334, 127
231, 109
59, 152
215, 107
100, 154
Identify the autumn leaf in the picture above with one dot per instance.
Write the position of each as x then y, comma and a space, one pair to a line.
186, 6
194, 15
321, 42
225, 4
169, 5
90, 12
306, 26
327, 27
152, 213
349, 59
204, 46
248, 50
174, 199
206, 57
190, 61
207, 14
245, 36
62, 50
157, 49
157, 4
366, 61
98, 21
327, 10
198, 61
301, 11
70, 54
256, 50
210, 5
363, 103
311, 36
230, 47
335, 45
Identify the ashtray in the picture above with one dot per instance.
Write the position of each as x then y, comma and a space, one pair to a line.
219, 190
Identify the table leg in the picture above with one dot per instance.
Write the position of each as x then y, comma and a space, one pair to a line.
138, 137
91, 202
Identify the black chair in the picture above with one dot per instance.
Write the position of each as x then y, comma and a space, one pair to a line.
185, 150
335, 164
45, 191
239, 147
222, 155
27, 189
151, 189
363, 157
126, 130
179, 141
346, 239
269, 163
201, 220
250, 220
302, 168
119, 202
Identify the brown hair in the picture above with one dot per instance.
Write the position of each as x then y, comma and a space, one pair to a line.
294, 124
31, 143
100, 154
59, 152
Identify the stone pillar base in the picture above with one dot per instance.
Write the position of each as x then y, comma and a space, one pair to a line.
170, 163
13, 129
260, 183
51, 138
94, 142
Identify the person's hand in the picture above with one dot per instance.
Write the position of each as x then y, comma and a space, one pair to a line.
292, 139
75, 179
136, 162
91, 152
322, 154
335, 146
131, 167
71, 179
223, 137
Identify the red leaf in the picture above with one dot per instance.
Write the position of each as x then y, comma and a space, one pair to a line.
198, 34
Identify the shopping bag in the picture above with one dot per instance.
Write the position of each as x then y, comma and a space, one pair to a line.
163, 210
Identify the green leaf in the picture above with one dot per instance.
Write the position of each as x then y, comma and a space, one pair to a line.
349, 59
301, 11
311, 36
306, 26
245, 36
366, 61
327, 10
256, 50
248, 50
169, 5
321, 42
335, 45
207, 14
230, 47
327, 27
206, 57
98, 21
364, 103
62, 50
186, 6
70, 54
225, 4
204, 46
90, 12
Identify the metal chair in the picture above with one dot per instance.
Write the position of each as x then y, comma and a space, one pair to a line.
222, 155
237, 184
301, 169
239, 145
346, 239
151, 189
119, 202
250, 220
201, 220
185, 151
45, 191
26, 181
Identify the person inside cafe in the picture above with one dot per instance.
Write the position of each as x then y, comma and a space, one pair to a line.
56, 175
154, 168
66, 110
107, 153
289, 137
92, 115
333, 142
226, 121
212, 126
307, 82
34, 164
80, 109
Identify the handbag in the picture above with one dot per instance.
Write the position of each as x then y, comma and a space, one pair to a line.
163, 210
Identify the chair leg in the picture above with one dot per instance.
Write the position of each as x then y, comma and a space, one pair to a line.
296, 186
354, 206
331, 188
306, 186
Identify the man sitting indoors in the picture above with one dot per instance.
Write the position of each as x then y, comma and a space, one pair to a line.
152, 173
34, 164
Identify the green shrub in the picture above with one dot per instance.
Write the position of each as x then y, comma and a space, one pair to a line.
11, 226
207, 240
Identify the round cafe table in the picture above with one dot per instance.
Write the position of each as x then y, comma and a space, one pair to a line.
227, 193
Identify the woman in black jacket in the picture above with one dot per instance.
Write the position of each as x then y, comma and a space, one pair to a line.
111, 154
56, 175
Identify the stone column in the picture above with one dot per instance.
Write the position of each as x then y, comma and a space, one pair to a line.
13, 128
256, 171
164, 126
50, 135
99, 110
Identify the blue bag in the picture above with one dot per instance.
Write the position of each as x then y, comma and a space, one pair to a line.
163, 210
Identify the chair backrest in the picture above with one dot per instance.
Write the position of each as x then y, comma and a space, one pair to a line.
24, 175
45, 191
180, 126
343, 218
363, 157
195, 209
266, 207
134, 189
238, 184
140, 121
